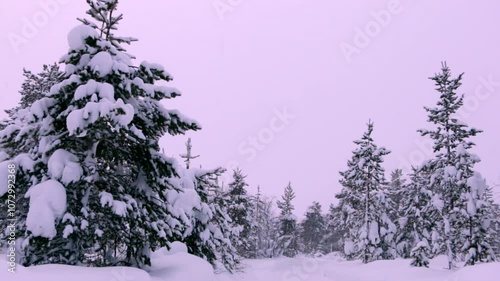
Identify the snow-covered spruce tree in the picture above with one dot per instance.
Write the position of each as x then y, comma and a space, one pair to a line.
209, 232
288, 234
271, 227
36, 86
364, 204
88, 155
452, 167
263, 227
495, 221
394, 189
256, 234
238, 209
480, 233
419, 219
332, 239
227, 254
313, 229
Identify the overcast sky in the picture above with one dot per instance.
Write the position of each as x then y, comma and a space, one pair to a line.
282, 88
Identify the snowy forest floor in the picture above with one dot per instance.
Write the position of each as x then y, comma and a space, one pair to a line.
334, 268
184, 267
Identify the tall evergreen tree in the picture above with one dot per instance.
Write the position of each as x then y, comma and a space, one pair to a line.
256, 231
364, 203
270, 230
288, 236
238, 209
495, 221
263, 234
209, 232
313, 229
93, 142
451, 168
419, 219
334, 232
479, 223
394, 189
36, 86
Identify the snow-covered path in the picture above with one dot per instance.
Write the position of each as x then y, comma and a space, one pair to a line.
331, 268
185, 267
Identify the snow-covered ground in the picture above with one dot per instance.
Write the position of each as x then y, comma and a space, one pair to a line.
179, 266
334, 268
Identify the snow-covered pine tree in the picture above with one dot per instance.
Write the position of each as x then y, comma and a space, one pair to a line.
419, 219
36, 86
256, 232
313, 229
88, 158
452, 167
288, 236
270, 227
480, 232
394, 189
238, 209
263, 227
209, 233
495, 221
364, 203
332, 240
227, 254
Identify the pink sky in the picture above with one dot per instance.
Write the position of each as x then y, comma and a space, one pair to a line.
238, 66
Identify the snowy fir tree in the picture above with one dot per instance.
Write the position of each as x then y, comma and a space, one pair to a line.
419, 219
36, 86
394, 189
238, 208
255, 235
270, 230
288, 234
452, 167
479, 229
313, 229
495, 220
332, 240
365, 205
209, 232
88, 157
263, 227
